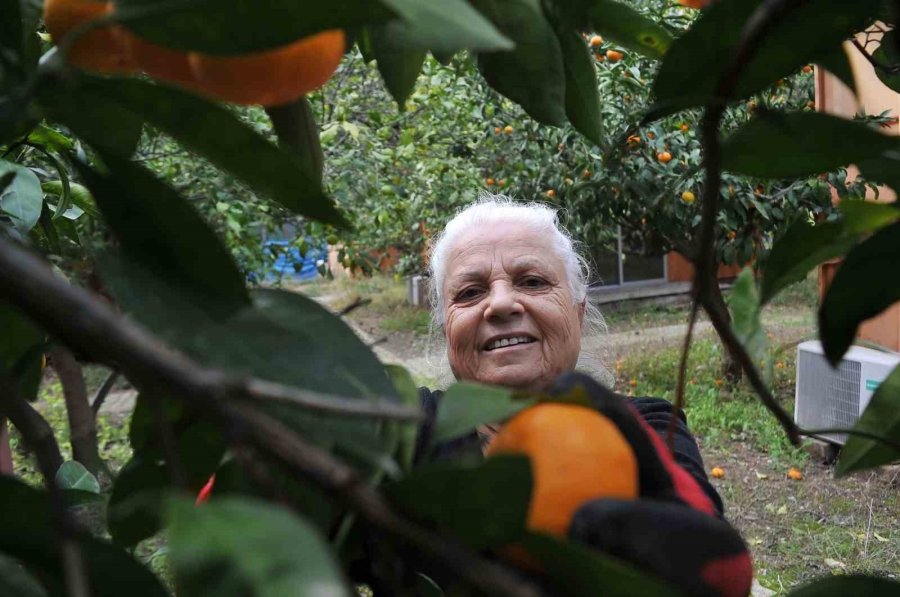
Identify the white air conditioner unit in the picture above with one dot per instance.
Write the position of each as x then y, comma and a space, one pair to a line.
827, 398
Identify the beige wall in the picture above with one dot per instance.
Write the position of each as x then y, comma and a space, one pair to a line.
874, 97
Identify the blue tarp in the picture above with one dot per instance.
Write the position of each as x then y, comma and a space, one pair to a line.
290, 264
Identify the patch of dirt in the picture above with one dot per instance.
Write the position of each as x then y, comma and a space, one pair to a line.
798, 530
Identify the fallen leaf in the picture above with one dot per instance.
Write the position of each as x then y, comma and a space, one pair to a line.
781, 510
760, 475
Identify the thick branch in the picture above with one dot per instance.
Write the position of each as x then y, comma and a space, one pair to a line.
103, 391
85, 324
38, 436
82, 429
757, 27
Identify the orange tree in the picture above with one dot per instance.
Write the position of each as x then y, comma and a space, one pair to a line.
310, 437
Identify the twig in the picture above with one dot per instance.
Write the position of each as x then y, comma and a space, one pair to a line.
890, 69
103, 391
38, 436
761, 21
82, 428
356, 304
92, 327
682, 371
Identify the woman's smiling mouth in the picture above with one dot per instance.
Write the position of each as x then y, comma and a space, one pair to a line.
505, 342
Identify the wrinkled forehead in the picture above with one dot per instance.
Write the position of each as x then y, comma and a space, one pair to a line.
502, 246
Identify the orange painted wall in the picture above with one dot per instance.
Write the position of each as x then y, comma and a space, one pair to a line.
681, 270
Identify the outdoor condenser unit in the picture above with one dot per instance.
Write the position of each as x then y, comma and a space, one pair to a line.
829, 398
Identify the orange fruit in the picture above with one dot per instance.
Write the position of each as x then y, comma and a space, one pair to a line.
717, 472
496, 130
159, 62
600, 58
576, 455
751, 106
614, 56
633, 140
271, 77
98, 49
490, 182
551, 193
596, 41
501, 183
688, 197
695, 3
794, 474
508, 129
586, 174
685, 128
664, 157
807, 69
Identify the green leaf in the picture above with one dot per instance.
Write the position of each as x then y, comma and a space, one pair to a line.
44, 135
73, 475
398, 62
22, 198
628, 28
881, 417
888, 55
837, 63
745, 310
803, 245
20, 350
577, 571
15, 581
780, 145
448, 26
884, 169
465, 406
159, 230
582, 97
243, 546
81, 197
854, 296
843, 586
406, 389
484, 506
295, 125
27, 534
696, 60
533, 74
134, 511
202, 126
242, 26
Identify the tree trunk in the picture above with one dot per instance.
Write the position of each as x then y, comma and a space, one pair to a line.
731, 368
82, 427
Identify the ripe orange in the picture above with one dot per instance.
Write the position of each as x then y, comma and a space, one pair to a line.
614, 56
490, 182
717, 472
576, 455
497, 130
508, 129
551, 193
586, 174
159, 62
596, 41
664, 157
688, 197
501, 183
795, 474
807, 69
685, 128
271, 77
695, 3
98, 49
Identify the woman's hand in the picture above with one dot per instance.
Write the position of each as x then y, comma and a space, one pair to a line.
673, 530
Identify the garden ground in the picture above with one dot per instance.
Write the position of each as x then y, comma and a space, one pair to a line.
797, 529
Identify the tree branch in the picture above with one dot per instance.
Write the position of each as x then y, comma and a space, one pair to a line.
38, 436
82, 428
103, 391
757, 27
682, 371
85, 324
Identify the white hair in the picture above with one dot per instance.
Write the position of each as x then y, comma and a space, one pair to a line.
490, 209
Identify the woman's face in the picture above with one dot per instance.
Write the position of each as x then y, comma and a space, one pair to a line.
509, 317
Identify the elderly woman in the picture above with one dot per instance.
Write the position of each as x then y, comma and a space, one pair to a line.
509, 292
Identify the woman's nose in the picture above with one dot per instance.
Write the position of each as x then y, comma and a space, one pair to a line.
503, 301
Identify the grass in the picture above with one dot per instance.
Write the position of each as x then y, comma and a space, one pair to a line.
715, 409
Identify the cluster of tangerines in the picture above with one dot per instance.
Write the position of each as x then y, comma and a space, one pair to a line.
270, 77
596, 44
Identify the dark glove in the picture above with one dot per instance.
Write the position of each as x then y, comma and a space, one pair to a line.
673, 530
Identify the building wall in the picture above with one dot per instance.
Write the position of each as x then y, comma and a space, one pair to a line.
873, 96
681, 270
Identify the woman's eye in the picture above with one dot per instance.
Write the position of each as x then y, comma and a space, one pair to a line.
468, 294
533, 282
